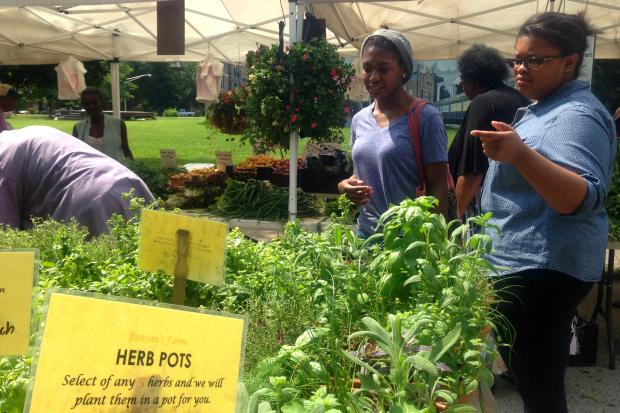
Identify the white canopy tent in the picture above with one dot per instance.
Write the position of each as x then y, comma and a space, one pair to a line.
443, 29
46, 31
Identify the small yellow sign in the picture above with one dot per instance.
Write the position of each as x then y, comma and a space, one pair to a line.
205, 250
16, 279
104, 355
168, 158
222, 160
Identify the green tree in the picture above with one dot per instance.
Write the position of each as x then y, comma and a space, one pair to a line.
167, 87
33, 84
38, 83
125, 70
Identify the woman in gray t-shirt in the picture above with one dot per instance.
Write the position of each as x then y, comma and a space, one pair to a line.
385, 168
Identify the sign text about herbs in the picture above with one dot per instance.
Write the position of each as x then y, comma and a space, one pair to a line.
16, 277
135, 357
153, 392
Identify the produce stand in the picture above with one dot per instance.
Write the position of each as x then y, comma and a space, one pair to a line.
255, 187
261, 230
199, 187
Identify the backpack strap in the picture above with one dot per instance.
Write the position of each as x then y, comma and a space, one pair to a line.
413, 120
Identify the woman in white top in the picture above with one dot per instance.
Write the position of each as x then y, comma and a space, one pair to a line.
103, 132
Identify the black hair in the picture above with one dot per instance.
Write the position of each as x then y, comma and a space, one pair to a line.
483, 66
92, 91
567, 32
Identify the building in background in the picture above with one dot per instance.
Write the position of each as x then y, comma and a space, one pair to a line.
422, 82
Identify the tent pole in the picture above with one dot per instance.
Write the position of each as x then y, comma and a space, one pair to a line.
116, 89
294, 137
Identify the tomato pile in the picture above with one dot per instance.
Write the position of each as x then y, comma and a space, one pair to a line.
282, 166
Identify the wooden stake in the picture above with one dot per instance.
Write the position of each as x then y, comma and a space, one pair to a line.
180, 270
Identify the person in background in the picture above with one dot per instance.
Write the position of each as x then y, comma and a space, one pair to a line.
483, 71
49, 174
385, 170
103, 132
547, 185
8, 99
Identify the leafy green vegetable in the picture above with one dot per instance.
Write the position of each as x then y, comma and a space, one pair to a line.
255, 199
337, 323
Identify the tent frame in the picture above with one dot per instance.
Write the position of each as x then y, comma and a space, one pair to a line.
349, 35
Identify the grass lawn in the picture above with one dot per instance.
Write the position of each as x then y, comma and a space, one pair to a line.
192, 140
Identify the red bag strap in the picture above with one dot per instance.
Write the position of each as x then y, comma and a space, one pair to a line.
415, 113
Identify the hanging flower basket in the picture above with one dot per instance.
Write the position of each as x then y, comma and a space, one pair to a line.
227, 113
302, 89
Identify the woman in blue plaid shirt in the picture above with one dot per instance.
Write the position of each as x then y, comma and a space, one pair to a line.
546, 186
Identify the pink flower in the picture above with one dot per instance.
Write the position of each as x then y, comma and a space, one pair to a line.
313, 125
334, 72
347, 109
293, 118
297, 109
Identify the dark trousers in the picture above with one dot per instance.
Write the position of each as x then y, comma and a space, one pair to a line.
539, 306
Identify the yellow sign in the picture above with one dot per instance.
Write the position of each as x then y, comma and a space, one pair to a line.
16, 279
205, 249
103, 355
168, 158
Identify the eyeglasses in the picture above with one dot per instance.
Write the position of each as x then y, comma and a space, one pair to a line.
531, 62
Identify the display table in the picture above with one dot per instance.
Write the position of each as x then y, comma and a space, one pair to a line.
261, 230
604, 297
